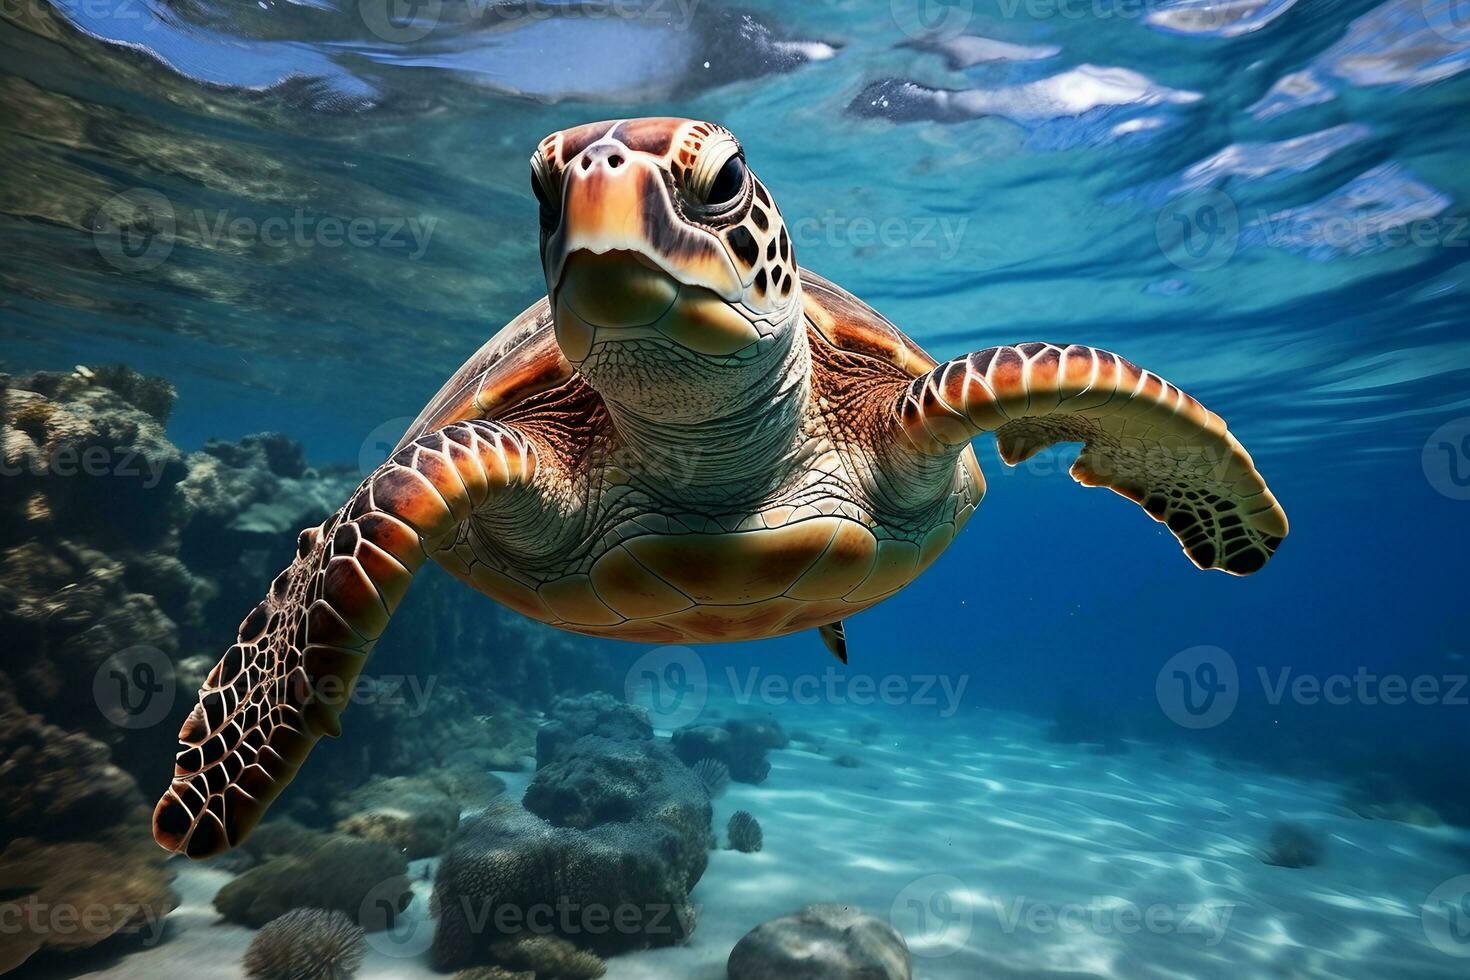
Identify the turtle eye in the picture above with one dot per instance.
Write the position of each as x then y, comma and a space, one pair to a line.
728, 183
719, 177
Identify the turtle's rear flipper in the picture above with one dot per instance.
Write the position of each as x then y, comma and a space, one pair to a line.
286, 680
1141, 437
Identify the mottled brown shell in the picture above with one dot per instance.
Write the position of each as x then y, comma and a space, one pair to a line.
850, 324
521, 360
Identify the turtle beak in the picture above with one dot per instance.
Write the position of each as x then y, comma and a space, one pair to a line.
617, 200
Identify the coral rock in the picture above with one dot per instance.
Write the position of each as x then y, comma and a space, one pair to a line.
338, 872
1293, 845
740, 744
822, 942
547, 957
408, 813
597, 713
76, 894
603, 852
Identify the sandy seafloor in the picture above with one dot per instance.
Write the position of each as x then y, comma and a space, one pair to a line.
1002, 855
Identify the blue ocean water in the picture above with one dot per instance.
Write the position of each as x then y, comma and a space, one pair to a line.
1264, 201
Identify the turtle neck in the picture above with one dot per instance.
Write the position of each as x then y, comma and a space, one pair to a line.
747, 447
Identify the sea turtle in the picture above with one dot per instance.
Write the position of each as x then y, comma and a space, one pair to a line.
690, 439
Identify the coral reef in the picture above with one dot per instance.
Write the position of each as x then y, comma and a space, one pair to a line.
597, 713
56, 783
821, 942
305, 944
744, 833
115, 541
87, 454
546, 958
603, 851
117, 544
1293, 845
715, 776
75, 894
602, 780
75, 833
244, 501
408, 813
740, 744
414, 814
332, 871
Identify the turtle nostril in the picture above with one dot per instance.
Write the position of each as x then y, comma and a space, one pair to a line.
586, 163
615, 161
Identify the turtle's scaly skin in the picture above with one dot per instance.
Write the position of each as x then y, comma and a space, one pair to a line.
689, 440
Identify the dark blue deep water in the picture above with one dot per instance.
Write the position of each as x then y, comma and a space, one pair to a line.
306, 215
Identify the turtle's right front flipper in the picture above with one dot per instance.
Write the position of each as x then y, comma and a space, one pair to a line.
1141, 437
285, 681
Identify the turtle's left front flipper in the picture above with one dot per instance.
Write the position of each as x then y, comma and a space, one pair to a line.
1141, 437
285, 681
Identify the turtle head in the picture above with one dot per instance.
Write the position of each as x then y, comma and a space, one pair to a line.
670, 273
